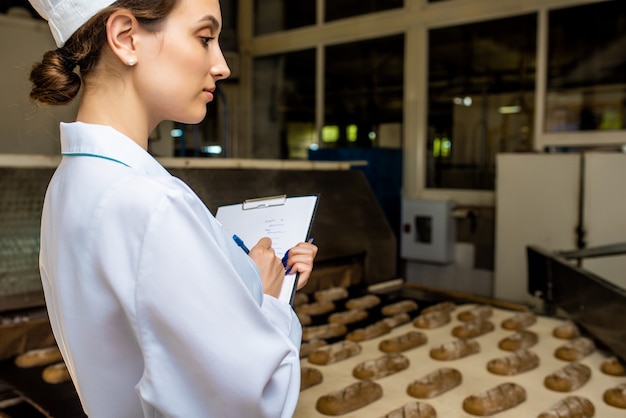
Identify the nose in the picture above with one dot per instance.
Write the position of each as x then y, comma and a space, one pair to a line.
220, 70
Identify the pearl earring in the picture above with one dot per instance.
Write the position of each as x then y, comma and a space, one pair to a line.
132, 61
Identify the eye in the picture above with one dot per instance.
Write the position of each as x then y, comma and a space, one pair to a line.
206, 39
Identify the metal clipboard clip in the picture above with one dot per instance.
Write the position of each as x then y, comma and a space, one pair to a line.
264, 202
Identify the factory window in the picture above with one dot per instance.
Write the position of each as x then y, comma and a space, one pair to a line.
363, 92
284, 105
341, 9
587, 68
481, 81
277, 15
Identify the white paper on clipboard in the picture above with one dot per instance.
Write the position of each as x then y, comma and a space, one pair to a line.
286, 220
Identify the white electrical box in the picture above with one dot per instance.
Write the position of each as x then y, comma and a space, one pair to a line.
428, 231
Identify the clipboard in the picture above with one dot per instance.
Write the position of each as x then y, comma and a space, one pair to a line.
287, 220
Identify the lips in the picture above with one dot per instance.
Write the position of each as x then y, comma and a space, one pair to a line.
208, 93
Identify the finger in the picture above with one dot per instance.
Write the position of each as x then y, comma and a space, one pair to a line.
265, 242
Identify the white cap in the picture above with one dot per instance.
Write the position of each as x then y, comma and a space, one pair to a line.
66, 16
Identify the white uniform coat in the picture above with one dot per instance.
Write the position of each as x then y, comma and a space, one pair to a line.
156, 310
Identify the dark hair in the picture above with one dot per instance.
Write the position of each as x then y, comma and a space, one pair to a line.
54, 80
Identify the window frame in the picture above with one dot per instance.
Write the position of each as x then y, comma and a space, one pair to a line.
414, 20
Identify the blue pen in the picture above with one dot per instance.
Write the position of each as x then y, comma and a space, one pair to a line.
241, 244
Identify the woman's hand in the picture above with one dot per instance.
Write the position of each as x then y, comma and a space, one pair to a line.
270, 266
300, 260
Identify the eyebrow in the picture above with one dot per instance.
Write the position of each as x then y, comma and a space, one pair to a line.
212, 19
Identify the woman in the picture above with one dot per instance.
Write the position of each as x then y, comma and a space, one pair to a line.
156, 310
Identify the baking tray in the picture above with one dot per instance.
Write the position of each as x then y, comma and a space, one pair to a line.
476, 378
595, 304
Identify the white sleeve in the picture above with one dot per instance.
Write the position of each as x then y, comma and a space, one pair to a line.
210, 349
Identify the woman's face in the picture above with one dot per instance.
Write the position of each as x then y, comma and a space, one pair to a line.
179, 65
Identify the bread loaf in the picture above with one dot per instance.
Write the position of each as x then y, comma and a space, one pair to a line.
332, 294
570, 407
473, 328
372, 331
442, 306
348, 317
519, 362
477, 312
413, 410
397, 319
56, 373
454, 350
566, 331
568, 378
613, 367
363, 302
575, 350
309, 377
300, 299
616, 396
385, 365
304, 319
500, 398
519, 341
308, 347
38, 357
323, 331
335, 352
435, 383
404, 306
432, 319
315, 308
519, 321
352, 397
403, 342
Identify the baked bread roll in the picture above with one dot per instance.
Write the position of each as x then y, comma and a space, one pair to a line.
477, 312
309, 377
330, 295
352, 397
335, 352
38, 357
300, 299
500, 398
385, 365
363, 302
566, 331
455, 350
442, 306
616, 396
519, 362
323, 331
397, 319
304, 319
570, 407
473, 328
308, 347
403, 342
348, 317
575, 350
432, 319
56, 373
568, 378
413, 410
372, 331
435, 383
315, 308
519, 321
404, 306
613, 367
519, 341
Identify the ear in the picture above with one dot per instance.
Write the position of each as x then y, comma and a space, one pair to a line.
121, 28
